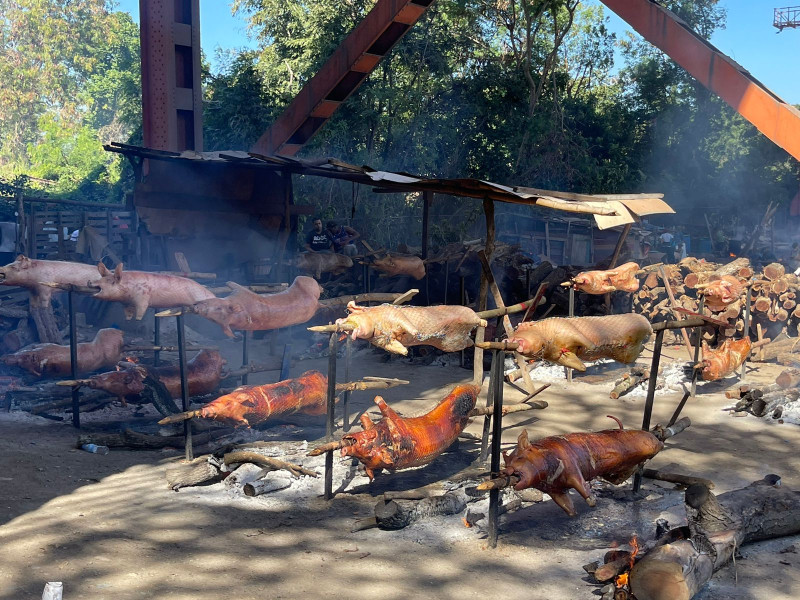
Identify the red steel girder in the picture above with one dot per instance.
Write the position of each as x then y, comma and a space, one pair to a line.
773, 117
341, 75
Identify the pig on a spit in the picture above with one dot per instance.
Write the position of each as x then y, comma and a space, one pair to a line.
395, 328
29, 273
245, 310
53, 359
622, 278
395, 264
559, 463
249, 405
396, 442
139, 290
721, 292
725, 359
203, 374
570, 341
318, 263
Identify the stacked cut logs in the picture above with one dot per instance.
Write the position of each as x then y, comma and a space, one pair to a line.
774, 307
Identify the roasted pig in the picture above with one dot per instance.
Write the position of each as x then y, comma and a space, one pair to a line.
252, 404
399, 443
570, 341
394, 264
53, 359
723, 361
245, 310
395, 328
622, 278
139, 290
559, 463
721, 292
29, 273
318, 263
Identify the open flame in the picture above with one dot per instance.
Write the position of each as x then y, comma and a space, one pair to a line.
622, 580
731, 254
132, 359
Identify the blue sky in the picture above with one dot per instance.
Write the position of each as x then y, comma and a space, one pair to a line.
749, 38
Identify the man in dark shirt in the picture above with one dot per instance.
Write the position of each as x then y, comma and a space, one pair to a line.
318, 240
343, 238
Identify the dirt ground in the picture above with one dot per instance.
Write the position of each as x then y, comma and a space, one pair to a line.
108, 527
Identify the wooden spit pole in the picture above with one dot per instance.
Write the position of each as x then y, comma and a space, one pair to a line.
332, 348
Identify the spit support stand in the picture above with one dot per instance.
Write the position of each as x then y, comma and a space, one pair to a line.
747, 308
571, 314
245, 357
187, 424
651, 394
157, 341
332, 347
496, 383
73, 361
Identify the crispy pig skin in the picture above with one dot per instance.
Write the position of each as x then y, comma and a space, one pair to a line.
248, 311
28, 273
722, 292
570, 341
396, 443
559, 463
126, 382
53, 359
725, 359
250, 405
395, 328
139, 290
622, 278
203, 374
393, 264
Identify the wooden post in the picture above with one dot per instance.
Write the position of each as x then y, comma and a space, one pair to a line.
245, 357
332, 347
187, 424
618, 247
487, 419
73, 361
497, 423
747, 308
348, 355
427, 200
571, 314
651, 394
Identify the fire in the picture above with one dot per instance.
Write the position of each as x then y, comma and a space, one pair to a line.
622, 580
132, 359
732, 255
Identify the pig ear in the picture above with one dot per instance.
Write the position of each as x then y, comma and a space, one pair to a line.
103, 269
235, 308
118, 272
23, 260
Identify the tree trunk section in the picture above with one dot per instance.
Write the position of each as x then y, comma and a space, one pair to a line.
397, 514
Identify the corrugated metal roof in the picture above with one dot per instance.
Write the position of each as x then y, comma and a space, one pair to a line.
608, 210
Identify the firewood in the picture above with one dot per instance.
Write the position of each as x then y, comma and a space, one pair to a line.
779, 286
473, 517
719, 525
788, 378
265, 484
774, 271
613, 567
199, 471
629, 381
397, 514
788, 304
685, 480
788, 359
141, 441
781, 314
651, 280
267, 461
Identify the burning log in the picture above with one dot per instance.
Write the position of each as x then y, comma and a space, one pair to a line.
718, 525
557, 464
637, 376
395, 328
399, 443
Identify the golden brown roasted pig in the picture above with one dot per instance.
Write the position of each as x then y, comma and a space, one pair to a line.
725, 359
395, 264
622, 278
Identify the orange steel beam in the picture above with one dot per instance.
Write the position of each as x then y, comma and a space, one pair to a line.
339, 77
773, 117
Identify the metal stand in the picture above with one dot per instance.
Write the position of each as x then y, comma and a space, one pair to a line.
695, 373
747, 305
463, 297
348, 353
487, 420
496, 384
245, 359
332, 347
651, 394
187, 424
286, 362
571, 314
157, 341
73, 361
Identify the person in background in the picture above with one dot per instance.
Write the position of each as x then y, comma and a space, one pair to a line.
318, 240
665, 242
343, 238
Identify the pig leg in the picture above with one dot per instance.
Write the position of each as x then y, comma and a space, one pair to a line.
571, 360
395, 347
577, 482
366, 422
141, 304
564, 501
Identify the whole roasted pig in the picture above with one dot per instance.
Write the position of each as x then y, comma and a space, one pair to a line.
559, 463
245, 310
318, 263
721, 292
622, 278
570, 341
725, 359
28, 273
203, 374
395, 328
122, 383
139, 290
252, 404
399, 443
53, 359
395, 264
